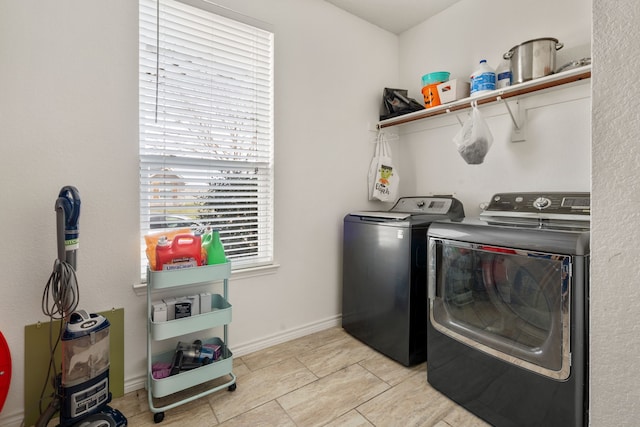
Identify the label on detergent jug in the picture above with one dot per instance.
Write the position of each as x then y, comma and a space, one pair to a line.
484, 81
177, 264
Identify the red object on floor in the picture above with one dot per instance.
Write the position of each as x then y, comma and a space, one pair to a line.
5, 370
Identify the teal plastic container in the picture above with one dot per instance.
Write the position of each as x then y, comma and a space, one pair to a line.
437, 77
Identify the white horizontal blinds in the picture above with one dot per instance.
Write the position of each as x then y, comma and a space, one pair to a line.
206, 134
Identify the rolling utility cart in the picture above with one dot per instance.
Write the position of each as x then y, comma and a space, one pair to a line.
202, 364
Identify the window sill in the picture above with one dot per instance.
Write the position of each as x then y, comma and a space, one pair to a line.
140, 289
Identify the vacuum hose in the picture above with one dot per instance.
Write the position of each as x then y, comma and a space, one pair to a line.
49, 413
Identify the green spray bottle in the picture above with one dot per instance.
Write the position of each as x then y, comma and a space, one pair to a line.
212, 244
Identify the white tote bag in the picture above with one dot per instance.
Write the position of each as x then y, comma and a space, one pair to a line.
383, 177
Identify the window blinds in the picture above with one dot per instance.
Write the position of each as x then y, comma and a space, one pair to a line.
206, 128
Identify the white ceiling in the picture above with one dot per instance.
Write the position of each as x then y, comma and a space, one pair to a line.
394, 15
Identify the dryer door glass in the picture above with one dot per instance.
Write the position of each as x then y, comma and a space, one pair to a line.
510, 303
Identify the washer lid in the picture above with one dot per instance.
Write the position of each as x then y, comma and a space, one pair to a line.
382, 215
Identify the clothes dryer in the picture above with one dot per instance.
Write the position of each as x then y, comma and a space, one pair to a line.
384, 301
508, 323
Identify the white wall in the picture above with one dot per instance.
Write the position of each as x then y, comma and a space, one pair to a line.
68, 115
615, 290
556, 153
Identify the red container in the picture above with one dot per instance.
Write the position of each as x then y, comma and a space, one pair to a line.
184, 251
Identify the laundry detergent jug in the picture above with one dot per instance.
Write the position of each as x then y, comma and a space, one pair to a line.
213, 246
184, 251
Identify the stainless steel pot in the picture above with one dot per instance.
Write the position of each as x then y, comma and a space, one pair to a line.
533, 59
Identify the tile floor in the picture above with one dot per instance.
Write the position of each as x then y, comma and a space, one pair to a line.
325, 379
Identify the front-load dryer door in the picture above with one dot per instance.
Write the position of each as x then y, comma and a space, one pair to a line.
510, 303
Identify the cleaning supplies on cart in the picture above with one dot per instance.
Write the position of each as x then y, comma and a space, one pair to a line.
213, 246
171, 308
483, 79
179, 249
184, 251
190, 356
152, 241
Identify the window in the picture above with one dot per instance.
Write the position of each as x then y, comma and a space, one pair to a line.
206, 126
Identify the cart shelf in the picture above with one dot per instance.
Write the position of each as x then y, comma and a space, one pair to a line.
169, 385
188, 276
220, 314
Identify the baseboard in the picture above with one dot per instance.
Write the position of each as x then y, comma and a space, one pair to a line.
13, 420
139, 382
291, 334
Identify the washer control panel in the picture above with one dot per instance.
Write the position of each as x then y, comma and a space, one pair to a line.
531, 204
417, 207
423, 205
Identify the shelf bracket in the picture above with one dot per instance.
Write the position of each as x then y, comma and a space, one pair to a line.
457, 117
518, 133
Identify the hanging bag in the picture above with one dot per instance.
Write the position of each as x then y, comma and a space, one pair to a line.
474, 139
383, 176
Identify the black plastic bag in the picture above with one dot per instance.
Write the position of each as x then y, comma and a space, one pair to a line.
395, 102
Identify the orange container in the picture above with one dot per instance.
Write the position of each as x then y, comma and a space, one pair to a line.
431, 97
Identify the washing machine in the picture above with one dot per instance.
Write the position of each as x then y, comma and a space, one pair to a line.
384, 301
508, 323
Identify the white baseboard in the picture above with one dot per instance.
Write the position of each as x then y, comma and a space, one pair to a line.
139, 382
291, 334
13, 420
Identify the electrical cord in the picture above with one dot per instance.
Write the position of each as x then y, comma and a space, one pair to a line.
61, 293
60, 298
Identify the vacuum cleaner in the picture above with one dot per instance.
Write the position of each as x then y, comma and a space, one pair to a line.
81, 390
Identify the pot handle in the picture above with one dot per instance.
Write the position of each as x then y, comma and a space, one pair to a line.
509, 54
559, 45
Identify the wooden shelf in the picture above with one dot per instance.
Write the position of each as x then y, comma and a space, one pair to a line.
553, 81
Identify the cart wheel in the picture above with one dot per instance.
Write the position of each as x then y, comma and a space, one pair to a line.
232, 387
158, 417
